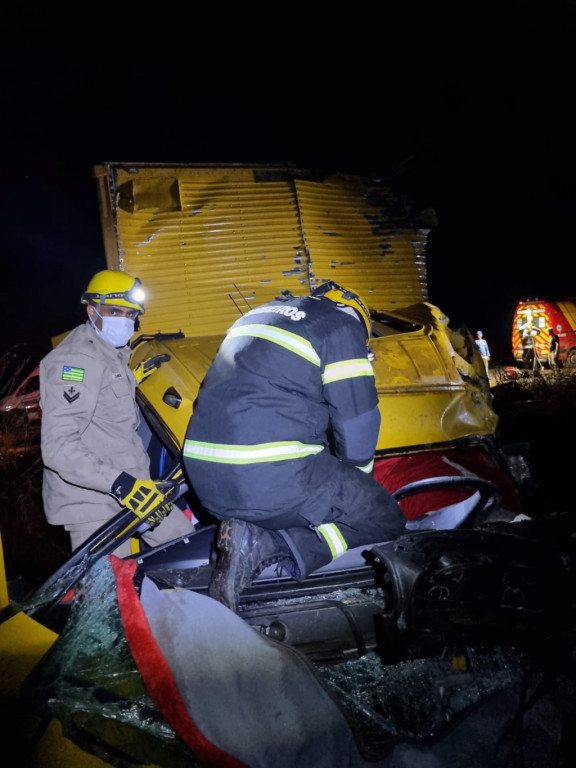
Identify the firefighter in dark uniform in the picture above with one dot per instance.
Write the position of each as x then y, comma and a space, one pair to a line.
281, 443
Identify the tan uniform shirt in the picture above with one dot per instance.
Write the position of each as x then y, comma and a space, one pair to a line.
89, 423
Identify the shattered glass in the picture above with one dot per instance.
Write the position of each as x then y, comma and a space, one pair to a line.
90, 681
416, 699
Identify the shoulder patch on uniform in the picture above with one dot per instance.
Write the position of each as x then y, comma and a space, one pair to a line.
70, 373
71, 394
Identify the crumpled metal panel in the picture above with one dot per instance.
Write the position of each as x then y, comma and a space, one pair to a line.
429, 393
189, 361
359, 233
207, 244
429, 385
211, 242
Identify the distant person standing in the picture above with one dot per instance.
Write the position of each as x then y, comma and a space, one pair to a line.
482, 345
530, 359
553, 349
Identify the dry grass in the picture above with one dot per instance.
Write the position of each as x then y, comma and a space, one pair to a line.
553, 389
15, 364
539, 411
32, 548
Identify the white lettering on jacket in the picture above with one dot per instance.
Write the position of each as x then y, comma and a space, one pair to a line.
292, 312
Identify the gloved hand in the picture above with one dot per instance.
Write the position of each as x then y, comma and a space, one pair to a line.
143, 496
156, 517
147, 367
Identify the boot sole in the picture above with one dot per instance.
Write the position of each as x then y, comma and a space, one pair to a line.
229, 574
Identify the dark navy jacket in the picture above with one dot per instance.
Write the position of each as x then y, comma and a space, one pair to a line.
290, 389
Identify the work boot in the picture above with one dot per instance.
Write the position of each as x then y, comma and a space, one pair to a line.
244, 550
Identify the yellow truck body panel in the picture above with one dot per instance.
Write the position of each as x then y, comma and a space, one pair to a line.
428, 393
211, 242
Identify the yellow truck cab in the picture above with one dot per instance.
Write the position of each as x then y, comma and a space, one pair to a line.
210, 242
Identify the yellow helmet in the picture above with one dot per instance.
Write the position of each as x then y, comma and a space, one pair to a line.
339, 295
113, 287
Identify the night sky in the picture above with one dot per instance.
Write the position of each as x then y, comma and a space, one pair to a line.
484, 133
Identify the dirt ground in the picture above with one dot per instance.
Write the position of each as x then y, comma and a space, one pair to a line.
537, 416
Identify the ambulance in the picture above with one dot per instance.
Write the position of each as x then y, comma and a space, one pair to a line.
530, 329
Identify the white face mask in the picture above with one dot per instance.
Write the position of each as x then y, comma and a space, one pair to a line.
116, 331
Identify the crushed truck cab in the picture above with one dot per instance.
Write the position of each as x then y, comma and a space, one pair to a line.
211, 242
432, 390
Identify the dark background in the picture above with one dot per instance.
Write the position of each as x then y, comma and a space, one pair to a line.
470, 114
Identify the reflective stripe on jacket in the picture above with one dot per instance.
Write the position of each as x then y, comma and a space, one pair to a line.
290, 380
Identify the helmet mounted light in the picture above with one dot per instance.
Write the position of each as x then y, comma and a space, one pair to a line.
114, 287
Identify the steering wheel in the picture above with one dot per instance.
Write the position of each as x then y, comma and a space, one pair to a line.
489, 493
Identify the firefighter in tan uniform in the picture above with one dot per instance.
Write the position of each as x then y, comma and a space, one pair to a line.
94, 461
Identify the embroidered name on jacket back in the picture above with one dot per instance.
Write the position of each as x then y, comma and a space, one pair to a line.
292, 312
70, 373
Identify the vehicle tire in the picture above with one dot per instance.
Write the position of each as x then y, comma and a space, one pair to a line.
571, 359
